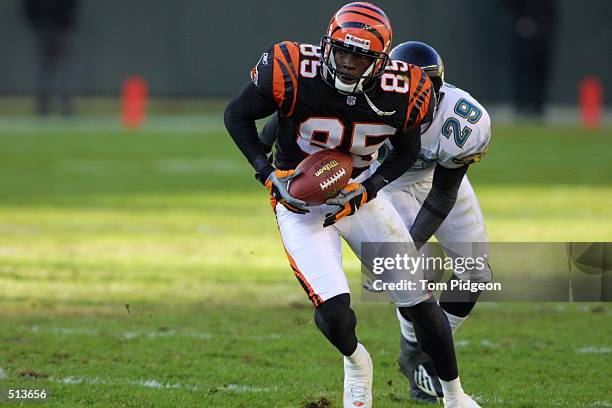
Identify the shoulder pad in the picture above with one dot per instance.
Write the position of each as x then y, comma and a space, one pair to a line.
276, 75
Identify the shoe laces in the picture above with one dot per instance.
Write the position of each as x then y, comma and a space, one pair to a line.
358, 392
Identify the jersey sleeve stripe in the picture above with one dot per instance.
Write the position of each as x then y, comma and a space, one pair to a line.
419, 111
278, 83
422, 79
291, 52
283, 53
290, 90
415, 89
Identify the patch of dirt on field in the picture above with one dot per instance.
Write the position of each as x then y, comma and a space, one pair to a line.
320, 403
32, 374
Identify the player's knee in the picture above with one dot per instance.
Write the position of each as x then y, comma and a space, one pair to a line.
337, 322
336, 312
427, 316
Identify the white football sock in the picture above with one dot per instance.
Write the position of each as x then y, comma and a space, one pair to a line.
406, 327
452, 389
455, 321
359, 356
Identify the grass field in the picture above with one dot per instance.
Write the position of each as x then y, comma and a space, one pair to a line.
145, 269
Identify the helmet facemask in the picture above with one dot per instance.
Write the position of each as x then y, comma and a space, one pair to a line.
344, 82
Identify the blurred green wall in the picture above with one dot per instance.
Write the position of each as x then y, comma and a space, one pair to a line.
205, 49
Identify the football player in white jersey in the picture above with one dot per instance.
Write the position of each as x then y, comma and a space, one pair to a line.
435, 198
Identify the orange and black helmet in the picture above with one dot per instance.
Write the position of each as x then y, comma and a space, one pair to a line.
361, 28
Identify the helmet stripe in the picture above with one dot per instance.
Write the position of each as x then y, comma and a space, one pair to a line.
362, 14
369, 7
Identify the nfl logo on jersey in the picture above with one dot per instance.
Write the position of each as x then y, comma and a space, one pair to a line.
350, 100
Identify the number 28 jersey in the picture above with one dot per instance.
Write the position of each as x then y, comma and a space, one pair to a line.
314, 116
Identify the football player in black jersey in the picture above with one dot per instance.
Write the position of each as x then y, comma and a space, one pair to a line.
345, 95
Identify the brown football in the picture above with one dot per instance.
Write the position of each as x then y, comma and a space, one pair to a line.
324, 174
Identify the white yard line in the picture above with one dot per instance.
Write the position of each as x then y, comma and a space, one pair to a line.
483, 343
594, 350
488, 344
152, 383
157, 384
150, 334
65, 330
3, 375
80, 380
245, 388
551, 402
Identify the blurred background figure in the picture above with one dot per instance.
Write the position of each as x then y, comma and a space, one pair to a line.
53, 23
534, 35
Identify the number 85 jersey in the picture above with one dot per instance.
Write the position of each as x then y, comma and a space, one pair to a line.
314, 116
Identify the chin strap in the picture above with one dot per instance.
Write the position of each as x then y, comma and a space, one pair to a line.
339, 84
358, 88
375, 109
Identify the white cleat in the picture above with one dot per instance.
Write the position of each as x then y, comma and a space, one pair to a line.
464, 401
358, 382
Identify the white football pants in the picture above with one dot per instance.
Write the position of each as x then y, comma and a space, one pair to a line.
315, 252
463, 232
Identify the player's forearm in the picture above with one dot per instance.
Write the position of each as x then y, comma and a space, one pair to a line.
406, 147
438, 203
240, 115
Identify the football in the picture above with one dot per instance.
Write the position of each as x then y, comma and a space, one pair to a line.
323, 175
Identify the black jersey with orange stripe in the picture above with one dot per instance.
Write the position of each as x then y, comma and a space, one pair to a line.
314, 116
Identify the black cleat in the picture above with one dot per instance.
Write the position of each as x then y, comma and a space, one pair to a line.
417, 367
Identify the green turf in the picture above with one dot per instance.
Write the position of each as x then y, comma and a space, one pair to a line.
145, 269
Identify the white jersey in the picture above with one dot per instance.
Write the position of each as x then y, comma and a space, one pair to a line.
459, 134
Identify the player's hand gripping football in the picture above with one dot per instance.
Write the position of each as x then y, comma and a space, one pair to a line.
277, 186
350, 199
